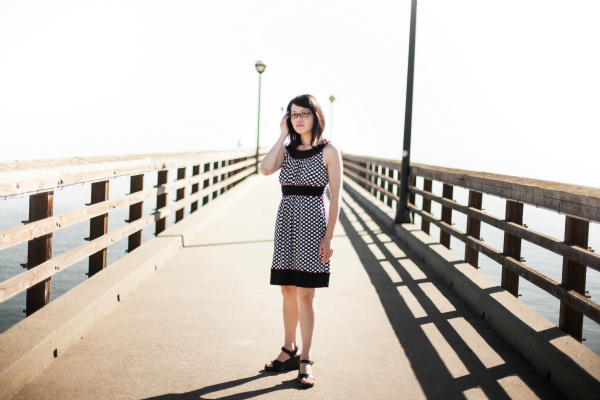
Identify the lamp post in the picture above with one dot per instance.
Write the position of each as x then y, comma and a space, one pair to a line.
332, 99
260, 67
402, 213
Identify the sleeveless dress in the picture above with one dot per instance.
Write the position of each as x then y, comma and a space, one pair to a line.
301, 221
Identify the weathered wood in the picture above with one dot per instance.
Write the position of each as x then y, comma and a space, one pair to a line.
358, 168
135, 212
206, 182
32, 176
412, 181
561, 292
180, 194
512, 247
427, 187
363, 182
25, 280
573, 277
22, 234
38, 251
389, 187
575, 253
447, 193
215, 179
195, 187
473, 228
98, 227
161, 201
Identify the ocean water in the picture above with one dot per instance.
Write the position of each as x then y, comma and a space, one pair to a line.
13, 211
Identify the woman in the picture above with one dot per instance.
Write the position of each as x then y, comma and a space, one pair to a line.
303, 231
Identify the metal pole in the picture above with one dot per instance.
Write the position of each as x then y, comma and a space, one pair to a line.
258, 129
402, 213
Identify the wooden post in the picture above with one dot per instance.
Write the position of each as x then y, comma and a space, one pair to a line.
447, 192
206, 184
512, 247
412, 197
390, 186
215, 179
573, 276
364, 175
195, 188
223, 164
39, 250
161, 201
135, 212
473, 228
180, 195
98, 227
427, 185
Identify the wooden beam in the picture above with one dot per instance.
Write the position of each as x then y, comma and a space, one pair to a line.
98, 227
512, 247
447, 193
161, 201
573, 277
195, 187
427, 187
473, 228
180, 195
39, 250
135, 212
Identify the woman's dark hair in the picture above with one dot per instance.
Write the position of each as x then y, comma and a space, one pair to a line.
307, 101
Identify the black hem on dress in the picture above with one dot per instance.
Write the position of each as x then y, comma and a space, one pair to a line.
285, 277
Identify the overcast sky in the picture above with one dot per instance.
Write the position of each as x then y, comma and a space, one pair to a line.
503, 86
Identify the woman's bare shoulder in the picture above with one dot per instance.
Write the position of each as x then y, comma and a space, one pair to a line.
330, 150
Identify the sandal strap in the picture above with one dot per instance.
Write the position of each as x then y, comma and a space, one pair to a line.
307, 362
290, 353
300, 376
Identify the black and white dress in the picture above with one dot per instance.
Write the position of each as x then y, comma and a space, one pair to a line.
301, 221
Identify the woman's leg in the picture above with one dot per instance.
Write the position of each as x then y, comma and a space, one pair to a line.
308, 317
290, 320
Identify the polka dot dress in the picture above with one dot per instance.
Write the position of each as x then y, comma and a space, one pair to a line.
301, 221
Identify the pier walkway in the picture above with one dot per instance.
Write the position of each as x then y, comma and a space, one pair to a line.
203, 325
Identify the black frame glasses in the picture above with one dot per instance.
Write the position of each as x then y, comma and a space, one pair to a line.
303, 114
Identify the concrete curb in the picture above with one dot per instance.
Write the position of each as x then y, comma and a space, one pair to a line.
32, 344
570, 366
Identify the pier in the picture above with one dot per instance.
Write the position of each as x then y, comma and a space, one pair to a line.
190, 313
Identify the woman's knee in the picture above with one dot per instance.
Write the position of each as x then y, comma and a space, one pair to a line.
288, 291
306, 295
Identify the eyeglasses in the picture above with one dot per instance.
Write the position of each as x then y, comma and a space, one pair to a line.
303, 114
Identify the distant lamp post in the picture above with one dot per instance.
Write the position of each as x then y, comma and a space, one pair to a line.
260, 67
332, 99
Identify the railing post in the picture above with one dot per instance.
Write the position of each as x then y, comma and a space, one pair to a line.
206, 183
427, 186
39, 250
389, 186
195, 188
412, 199
573, 276
135, 212
364, 175
180, 195
98, 228
223, 189
215, 179
447, 193
161, 201
512, 247
473, 228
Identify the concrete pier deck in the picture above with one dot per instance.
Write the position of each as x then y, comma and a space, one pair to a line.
204, 324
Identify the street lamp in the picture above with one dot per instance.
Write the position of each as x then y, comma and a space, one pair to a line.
260, 67
332, 99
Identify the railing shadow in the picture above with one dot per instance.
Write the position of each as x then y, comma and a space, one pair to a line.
452, 351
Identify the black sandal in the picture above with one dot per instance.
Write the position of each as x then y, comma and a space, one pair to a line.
291, 363
300, 376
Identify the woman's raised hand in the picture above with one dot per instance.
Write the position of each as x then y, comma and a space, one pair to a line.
283, 124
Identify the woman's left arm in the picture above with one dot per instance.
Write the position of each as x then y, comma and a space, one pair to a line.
333, 161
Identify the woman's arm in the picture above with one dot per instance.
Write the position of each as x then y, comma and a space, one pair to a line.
274, 158
333, 160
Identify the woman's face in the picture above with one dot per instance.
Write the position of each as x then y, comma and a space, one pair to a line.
302, 124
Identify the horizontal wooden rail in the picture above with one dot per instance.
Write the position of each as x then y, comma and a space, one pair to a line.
27, 279
580, 204
36, 229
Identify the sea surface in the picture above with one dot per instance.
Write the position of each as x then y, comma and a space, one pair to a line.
15, 210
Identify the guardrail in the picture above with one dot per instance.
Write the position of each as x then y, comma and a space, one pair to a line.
38, 179
579, 204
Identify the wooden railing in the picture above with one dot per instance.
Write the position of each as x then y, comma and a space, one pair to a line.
216, 172
579, 204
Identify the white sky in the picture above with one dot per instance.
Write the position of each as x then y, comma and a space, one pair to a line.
510, 87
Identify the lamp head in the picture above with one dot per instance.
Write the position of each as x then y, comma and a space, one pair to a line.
260, 66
